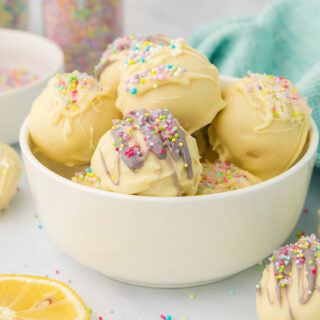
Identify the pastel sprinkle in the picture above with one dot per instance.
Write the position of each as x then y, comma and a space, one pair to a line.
16, 78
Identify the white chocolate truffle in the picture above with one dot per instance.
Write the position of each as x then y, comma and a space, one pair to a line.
220, 176
112, 61
289, 288
264, 127
148, 153
70, 116
173, 76
10, 173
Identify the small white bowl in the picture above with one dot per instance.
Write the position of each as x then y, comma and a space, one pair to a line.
169, 242
19, 49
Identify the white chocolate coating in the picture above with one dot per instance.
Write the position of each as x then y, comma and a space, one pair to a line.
10, 172
294, 301
70, 116
175, 77
109, 69
134, 158
264, 127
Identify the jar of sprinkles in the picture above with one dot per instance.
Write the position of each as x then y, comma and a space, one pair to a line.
14, 14
83, 28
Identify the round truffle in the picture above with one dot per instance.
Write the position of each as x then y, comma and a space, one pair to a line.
224, 176
148, 153
264, 126
70, 116
113, 59
10, 172
289, 288
174, 76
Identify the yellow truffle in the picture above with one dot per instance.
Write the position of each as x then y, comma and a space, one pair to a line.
289, 285
264, 127
69, 117
113, 59
178, 78
10, 172
146, 161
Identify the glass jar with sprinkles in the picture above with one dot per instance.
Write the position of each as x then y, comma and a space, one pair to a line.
83, 28
14, 14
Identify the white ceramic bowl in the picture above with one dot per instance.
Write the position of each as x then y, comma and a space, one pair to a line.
19, 49
169, 242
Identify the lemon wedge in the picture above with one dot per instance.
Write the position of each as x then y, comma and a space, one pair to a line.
33, 298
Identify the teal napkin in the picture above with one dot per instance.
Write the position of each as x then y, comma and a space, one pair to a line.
283, 40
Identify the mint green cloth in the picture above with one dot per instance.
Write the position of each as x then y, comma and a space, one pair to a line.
283, 40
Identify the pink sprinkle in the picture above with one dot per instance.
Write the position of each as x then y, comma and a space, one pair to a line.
100, 318
162, 317
314, 271
162, 150
305, 210
18, 189
57, 271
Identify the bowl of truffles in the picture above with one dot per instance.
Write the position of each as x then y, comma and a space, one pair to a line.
156, 171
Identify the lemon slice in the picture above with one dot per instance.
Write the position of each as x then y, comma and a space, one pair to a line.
31, 298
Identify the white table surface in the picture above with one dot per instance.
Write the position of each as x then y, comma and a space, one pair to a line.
27, 249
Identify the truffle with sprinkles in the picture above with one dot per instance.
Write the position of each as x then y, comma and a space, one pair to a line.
121, 52
224, 176
289, 285
174, 75
270, 122
148, 153
70, 116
